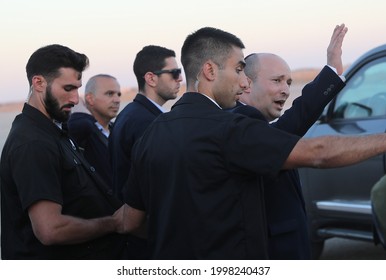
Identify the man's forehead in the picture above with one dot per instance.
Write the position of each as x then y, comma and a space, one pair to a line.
69, 73
274, 67
237, 56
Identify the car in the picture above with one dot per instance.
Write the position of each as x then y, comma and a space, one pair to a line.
338, 199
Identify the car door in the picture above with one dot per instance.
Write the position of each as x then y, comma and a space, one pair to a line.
341, 195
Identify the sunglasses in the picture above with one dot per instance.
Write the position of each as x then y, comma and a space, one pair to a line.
175, 73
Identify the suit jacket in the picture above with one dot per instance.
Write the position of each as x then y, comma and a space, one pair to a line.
284, 202
129, 125
194, 172
82, 128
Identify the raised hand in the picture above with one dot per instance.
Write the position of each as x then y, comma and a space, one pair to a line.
334, 49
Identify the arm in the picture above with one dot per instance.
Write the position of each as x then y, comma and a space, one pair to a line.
335, 151
51, 227
307, 108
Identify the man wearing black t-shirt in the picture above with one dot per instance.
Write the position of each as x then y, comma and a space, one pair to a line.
53, 204
195, 169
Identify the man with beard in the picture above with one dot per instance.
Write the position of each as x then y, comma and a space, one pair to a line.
53, 204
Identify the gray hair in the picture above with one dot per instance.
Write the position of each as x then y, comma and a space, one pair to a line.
91, 83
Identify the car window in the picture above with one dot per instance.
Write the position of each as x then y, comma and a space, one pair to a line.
365, 93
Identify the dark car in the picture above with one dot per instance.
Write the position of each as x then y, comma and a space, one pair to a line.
338, 200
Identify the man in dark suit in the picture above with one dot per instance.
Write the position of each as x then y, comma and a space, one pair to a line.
90, 126
270, 81
159, 79
194, 170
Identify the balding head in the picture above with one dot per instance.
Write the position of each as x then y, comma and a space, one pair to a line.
262, 61
270, 78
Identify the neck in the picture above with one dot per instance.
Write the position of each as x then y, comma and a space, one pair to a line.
154, 97
37, 103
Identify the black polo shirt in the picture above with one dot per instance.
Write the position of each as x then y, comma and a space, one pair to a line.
195, 171
40, 162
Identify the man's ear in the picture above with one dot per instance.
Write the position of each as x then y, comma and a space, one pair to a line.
39, 83
89, 98
151, 79
249, 89
209, 70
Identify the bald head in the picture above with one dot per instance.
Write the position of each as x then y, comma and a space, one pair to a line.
270, 79
262, 62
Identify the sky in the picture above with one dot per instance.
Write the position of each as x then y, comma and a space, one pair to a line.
111, 32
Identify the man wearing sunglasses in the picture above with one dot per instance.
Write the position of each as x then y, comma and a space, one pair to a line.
159, 79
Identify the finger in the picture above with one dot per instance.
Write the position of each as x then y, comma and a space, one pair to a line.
337, 32
338, 36
341, 35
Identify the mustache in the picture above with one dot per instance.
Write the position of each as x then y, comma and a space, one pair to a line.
67, 106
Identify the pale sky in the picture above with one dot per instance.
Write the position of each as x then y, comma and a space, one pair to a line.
111, 32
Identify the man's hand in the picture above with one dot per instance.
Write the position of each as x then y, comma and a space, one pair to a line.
334, 50
129, 220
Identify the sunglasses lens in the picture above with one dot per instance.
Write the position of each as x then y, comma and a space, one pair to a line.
176, 74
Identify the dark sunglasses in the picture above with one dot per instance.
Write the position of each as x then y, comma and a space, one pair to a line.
175, 73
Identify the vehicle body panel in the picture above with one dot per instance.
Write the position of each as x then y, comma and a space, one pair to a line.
338, 199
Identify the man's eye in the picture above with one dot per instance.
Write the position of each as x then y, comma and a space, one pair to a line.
68, 89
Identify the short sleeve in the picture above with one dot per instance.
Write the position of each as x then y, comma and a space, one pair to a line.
36, 171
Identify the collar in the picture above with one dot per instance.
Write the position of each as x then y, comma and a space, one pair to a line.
42, 120
210, 99
101, 129
155, 104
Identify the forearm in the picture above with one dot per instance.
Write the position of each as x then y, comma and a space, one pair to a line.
72, 230
335, 151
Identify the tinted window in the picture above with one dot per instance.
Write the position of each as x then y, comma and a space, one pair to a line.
365, 93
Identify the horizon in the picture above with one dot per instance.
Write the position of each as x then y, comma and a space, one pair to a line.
110, 35
300, 77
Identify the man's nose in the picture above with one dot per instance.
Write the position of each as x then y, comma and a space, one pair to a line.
245, 82
74, 97
286, 90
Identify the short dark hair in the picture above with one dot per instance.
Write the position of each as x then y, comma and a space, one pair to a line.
47, 60
203, 44
151, 58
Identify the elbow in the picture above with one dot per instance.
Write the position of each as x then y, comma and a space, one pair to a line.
45, 237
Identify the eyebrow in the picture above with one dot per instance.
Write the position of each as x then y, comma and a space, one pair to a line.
281, 77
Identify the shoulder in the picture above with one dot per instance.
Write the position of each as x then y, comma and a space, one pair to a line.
249, 111
80, 121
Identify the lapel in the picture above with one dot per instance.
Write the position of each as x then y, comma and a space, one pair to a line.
141, 99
